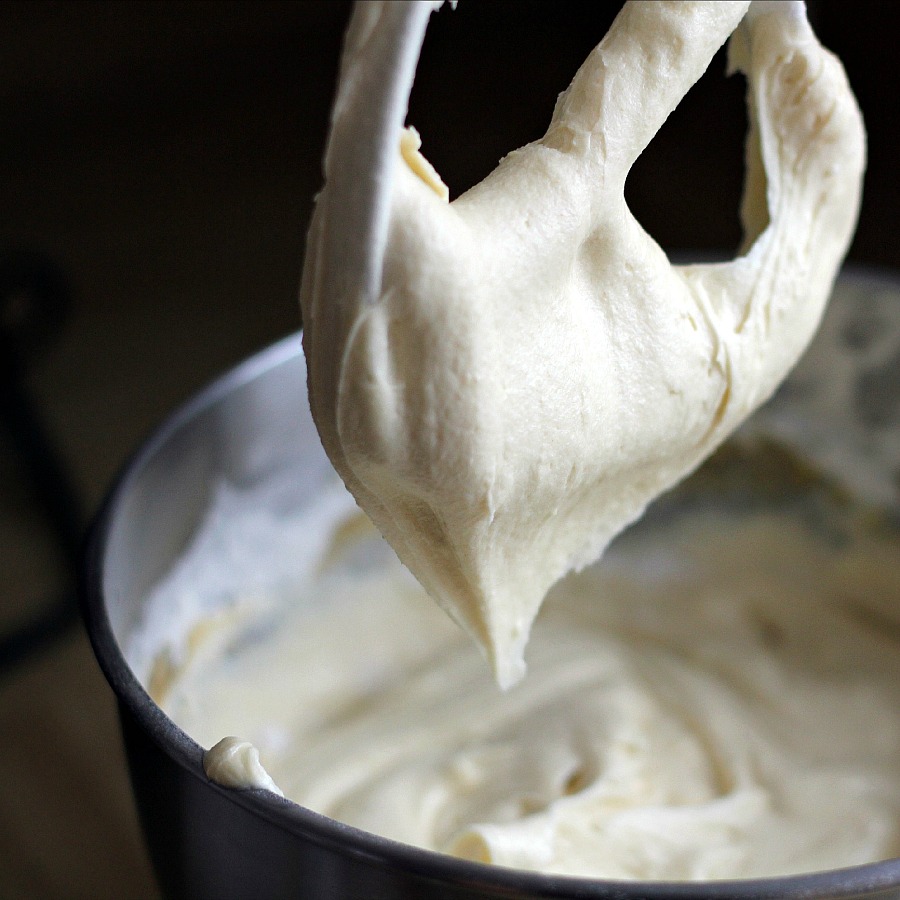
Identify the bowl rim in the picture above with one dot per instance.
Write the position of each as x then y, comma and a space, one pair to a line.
286, 815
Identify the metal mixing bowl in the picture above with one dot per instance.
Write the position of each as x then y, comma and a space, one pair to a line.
209, 841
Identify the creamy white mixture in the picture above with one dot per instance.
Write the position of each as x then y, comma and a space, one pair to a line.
505, 381
719, 698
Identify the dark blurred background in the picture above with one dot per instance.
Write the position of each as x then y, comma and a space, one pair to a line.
158, 162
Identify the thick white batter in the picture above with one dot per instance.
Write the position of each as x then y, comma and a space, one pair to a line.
505, 381
719, 698
520, 373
